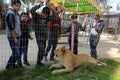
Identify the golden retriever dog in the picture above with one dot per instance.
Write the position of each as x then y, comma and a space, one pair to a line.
71, 61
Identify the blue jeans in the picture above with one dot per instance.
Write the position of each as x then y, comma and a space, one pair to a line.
93, 44
23, 49
15, 52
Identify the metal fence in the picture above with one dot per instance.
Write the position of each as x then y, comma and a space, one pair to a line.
112, 24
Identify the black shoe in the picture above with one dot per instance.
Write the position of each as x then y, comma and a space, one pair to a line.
12, 67
39, 65
52, 59
20, 65
94, 56
26, 63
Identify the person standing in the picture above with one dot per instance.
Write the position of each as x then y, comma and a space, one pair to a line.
77, 27
54, 31
96, 31
13, 33
25, 36
41, 28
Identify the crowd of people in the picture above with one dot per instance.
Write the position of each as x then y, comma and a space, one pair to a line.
46, 18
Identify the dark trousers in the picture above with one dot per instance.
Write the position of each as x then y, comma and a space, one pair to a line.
41, 38
93, 44
75, 45
23, 49
52, 42
15, 52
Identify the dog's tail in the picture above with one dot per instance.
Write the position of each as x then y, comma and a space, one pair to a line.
99, 63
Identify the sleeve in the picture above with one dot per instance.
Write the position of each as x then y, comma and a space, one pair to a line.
53, 16
68, 29
10, 21
82, 28
33, 12
100, 27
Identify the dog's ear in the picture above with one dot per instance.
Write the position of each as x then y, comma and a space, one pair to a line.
63, 49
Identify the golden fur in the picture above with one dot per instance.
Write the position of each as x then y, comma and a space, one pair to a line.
71, 61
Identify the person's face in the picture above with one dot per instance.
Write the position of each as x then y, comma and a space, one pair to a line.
24, 17
41, 3
96, 19
59, 9
52, 7
16, 7
74, 20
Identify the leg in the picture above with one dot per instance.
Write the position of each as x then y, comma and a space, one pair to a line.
62, 70
93, 45
49, 44
76, 46
21, 51
56, 65
54, 43
25, 50
41, 47
15, 54
69, 41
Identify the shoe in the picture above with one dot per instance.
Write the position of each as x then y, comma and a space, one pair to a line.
46, 60
94, 56
26, 63
20, 65
39, 65
52, 59
12, 67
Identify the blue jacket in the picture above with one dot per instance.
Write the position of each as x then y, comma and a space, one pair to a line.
77, 27
12, 23
99, 27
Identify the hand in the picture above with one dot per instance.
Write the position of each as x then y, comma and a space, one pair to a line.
16, 41
31, 38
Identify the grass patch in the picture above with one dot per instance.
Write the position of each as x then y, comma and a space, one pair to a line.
85, 72
2, 31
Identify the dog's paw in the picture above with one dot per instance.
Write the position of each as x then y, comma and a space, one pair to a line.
54, 72
50, 67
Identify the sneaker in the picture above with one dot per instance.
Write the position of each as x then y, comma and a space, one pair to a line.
46, 60
39, 65
12, 67
26, 63
20, 65
52, 59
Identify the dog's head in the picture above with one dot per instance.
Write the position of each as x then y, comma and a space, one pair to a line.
60, 51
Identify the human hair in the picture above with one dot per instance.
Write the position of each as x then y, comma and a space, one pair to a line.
97, 16
59, 7
46, 10
24, 13
74, 16
15, 1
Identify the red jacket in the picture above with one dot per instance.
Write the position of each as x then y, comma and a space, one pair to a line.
55, 24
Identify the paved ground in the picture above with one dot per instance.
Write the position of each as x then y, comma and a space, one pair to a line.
106, 48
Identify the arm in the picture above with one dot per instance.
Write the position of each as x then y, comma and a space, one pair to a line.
53, 16
82, 28
11, 26
68, 29
100, 27
33, 12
